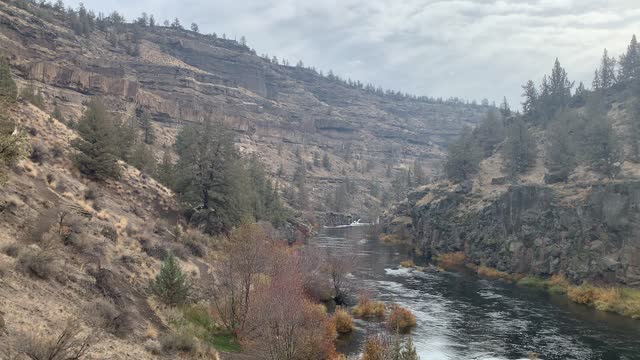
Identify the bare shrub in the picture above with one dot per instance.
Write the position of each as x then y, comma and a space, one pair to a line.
39, 261
244, 258
178, 341
284, 324
400, 319
105, 315
69, 344
39, 153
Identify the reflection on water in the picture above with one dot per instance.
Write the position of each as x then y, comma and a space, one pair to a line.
463, 317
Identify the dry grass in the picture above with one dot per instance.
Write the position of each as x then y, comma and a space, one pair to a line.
452, 259
407, 264
491, 273
343, 321
375, 348
368, 308
401, 320
389, 238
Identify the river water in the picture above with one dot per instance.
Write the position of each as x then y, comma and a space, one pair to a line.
461, 316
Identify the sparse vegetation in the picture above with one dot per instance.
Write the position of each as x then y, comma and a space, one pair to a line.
69, 344
452, 259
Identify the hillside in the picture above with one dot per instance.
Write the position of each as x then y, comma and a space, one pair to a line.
554, 196
285, 115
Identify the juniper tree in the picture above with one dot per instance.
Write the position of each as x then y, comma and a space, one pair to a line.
561, 148
519, 149
96, 145
601, 145
630, 62
530, 103
607, 71
171, 284
148, 134
490, 132
463, 157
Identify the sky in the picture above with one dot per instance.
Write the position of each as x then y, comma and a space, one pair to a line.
471, 49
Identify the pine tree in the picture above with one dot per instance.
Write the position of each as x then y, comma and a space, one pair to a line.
171, 284
607, 71
463, 157
207, 175
505, 110
148, 134
326, 162
630, 62
142, 158
96, 147
596, 84
519, 149
194, 27
490, 133
530, 103
165, 172
601, 144
561, 148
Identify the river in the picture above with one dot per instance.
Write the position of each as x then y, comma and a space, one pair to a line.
461, 316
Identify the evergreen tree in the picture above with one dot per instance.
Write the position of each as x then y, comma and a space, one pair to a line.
505, 110
205, 182
601, 144
559, 90
530, 103
195, 28
96, 145
463, 157
630, 62
148, 134
176, 24
596, 84
165, 172
142, 158
490, 133
561, 148
171, 284
326, 162
607, 71
519, 149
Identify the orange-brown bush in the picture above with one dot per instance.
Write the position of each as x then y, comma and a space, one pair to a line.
375, 348
492, 273
343, 321
283, 324
400, 319
367, 308
451, 259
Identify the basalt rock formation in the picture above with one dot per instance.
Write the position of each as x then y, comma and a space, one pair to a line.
283, 114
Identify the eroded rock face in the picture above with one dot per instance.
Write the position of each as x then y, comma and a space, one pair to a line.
533, 229
179, 76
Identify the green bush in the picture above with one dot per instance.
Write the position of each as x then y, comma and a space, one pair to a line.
171, 284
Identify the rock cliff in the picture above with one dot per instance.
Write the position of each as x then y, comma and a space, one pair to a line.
283, 114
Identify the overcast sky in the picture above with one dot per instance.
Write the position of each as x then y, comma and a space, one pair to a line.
467, 48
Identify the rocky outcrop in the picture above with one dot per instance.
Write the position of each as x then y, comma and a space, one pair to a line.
592, 234
283, 114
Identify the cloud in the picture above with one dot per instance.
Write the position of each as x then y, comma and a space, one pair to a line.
466, 48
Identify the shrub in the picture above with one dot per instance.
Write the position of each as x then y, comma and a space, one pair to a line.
582, 294
104, 314
492, 273
180, 341
39, 262
68, 345
171, 284
451, 259
39, 153
153, 346
11, 250
400, 320
343, 321
368, 308
407, 264
375, 348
